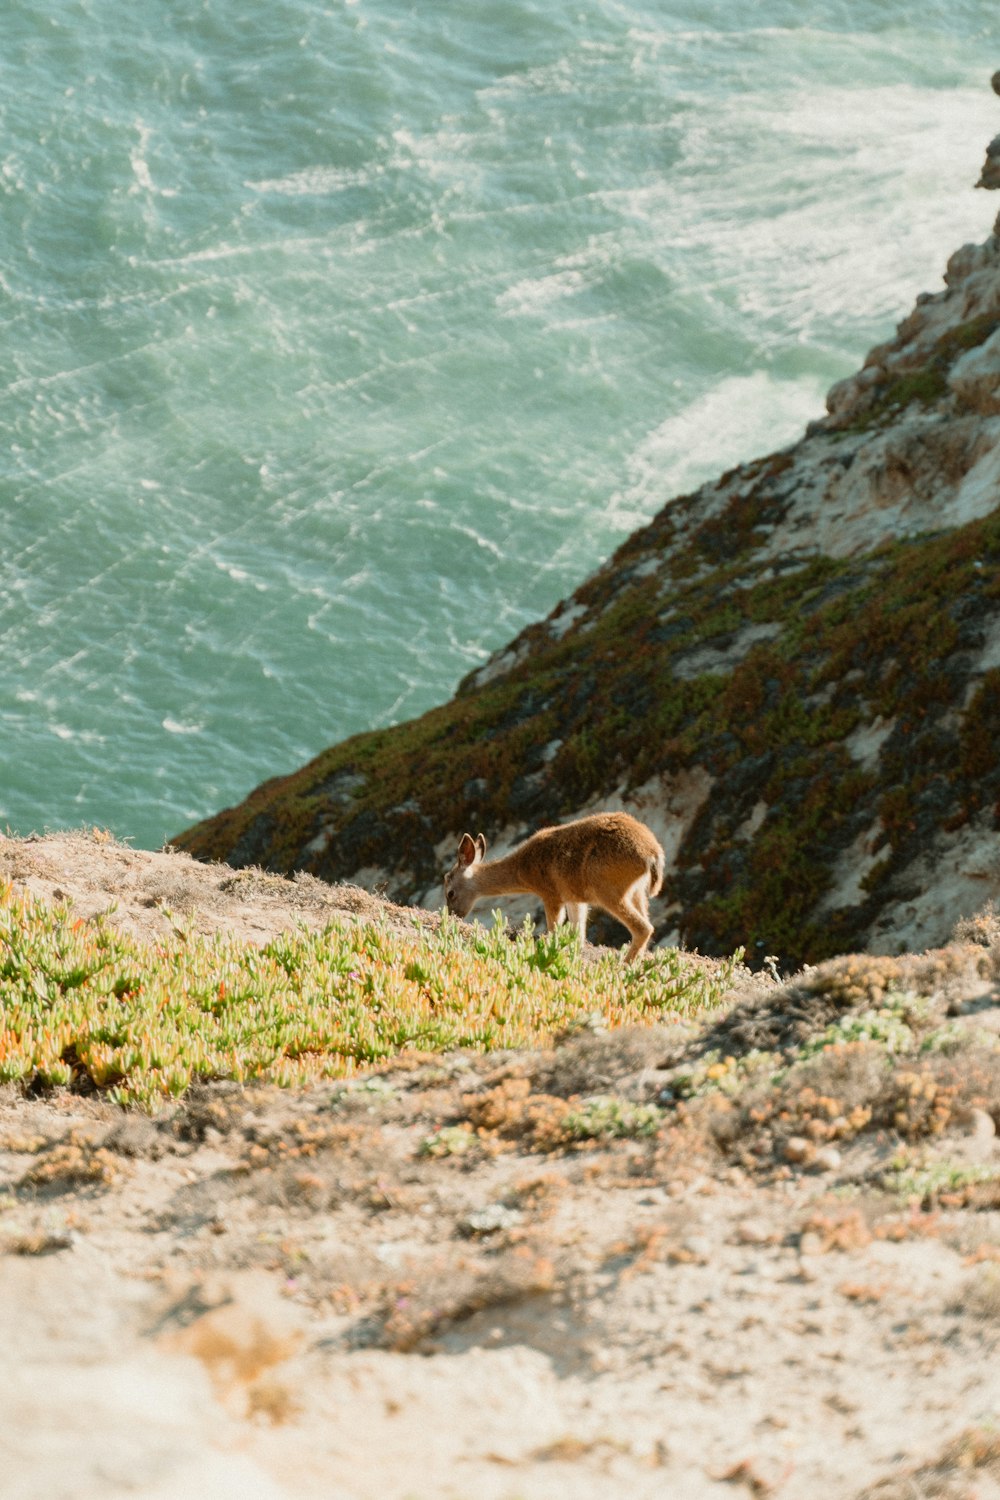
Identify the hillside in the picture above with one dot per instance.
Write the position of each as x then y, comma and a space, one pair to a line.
747, 1247
792, 674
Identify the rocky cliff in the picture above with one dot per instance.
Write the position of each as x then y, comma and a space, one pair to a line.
792, 674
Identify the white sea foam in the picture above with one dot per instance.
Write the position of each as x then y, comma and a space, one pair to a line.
137, 158
79, 736
537, 294
709, 435
316, 181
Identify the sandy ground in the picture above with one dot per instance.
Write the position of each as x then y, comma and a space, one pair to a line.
260, 1294
149, 893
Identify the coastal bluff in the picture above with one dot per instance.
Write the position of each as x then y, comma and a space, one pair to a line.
791, 674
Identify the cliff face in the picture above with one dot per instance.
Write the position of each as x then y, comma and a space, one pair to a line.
792, 674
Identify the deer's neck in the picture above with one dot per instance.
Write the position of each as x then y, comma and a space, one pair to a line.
499, 877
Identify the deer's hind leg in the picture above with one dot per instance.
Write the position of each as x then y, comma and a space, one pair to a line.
631, 910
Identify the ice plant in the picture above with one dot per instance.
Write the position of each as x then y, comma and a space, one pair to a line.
82, 1004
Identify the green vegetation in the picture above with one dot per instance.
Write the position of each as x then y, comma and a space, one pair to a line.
925, 1183
82, 1005
605, 1118
713, 1073
885, 1026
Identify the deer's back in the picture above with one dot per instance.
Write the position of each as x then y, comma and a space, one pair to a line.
580, 861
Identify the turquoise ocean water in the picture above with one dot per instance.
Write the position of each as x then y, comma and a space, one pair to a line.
340, 340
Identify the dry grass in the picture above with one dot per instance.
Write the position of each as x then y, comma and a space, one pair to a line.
951, 1476
415, 1310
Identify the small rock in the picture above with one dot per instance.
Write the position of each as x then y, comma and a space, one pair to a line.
489, 1220
797, 1148
753, 1232
961, 264
990, 175
827, 1159
975, 375
979, 1135
981, 1125
810, 1243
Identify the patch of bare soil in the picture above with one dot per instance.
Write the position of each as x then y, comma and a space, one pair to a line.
418, 1284
151, 894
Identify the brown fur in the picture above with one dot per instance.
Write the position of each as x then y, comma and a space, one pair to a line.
608, 860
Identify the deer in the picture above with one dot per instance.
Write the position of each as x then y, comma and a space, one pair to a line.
609, 860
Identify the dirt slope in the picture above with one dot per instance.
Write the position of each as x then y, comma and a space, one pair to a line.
259, 1294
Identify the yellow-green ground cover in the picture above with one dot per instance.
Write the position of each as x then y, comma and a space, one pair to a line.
84, 1005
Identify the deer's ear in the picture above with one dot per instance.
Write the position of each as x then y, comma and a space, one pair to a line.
481, 845
466, 850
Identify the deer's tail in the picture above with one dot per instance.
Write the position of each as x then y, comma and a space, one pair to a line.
656, 873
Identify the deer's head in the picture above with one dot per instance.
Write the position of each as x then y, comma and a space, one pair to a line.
460, 892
